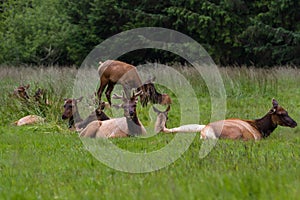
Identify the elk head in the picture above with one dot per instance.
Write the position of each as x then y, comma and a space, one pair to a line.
99, 111
129, 105
21, 92
161, 120
280, 116
70, 107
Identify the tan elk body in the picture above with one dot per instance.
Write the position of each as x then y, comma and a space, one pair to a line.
129, 125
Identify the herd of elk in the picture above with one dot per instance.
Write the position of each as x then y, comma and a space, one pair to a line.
238, 128
98, 124
40, 96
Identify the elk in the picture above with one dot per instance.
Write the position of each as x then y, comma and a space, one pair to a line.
129, 125
241, 129
75, 121
112, 72
161, 120
21, 92
29, 119
249, 129
151, 94
162, 117
40, 96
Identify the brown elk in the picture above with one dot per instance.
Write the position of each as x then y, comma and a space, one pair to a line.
249, 129
129, 125
75, 121
21, 92
238, 128
151, 94
40, 96
112, 72
29, 119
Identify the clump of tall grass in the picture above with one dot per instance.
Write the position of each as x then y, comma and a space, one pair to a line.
56, 81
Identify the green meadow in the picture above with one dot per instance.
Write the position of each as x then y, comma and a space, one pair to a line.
47, 161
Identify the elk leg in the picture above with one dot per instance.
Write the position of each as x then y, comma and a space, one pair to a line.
100, 90
108, 91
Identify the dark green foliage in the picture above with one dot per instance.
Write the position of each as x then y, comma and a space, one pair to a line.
232, 31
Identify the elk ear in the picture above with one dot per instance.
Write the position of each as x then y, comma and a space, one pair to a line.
275, 103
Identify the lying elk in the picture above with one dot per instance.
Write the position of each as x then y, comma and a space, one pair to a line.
75, 121
40, 96
21, 92
162, 117
112, 72
29, 119
151, 94
161, 120
241, 129
129, 125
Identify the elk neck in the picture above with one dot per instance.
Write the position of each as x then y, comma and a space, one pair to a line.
75, 118
134, 126
264, 125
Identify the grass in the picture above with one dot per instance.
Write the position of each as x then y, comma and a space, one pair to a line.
47, 161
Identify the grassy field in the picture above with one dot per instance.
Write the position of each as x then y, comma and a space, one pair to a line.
47, 161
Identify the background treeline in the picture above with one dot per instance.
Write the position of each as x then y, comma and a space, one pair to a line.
63, 32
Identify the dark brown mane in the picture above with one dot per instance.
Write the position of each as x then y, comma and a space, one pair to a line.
150, 94
264, 125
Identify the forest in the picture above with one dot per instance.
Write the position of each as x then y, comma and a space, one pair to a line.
233, 32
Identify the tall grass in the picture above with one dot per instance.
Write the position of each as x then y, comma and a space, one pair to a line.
43, 162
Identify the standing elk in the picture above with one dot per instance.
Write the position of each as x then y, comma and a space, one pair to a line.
112, 72
151, 94
129, 125
75, 121
238, 128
